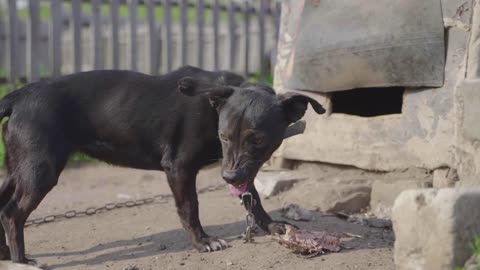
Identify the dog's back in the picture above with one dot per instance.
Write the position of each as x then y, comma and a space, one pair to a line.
122, 117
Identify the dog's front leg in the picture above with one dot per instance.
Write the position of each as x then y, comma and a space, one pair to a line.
183, 185
4, 250
263, 219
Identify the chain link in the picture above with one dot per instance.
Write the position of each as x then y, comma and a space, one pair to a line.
157, 199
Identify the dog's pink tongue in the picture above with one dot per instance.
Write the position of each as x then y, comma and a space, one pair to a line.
237, 190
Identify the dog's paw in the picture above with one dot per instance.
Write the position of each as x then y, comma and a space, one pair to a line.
279, 227
210, 244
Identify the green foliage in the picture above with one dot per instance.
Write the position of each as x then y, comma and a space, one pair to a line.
475, 246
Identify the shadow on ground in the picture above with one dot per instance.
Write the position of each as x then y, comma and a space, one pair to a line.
162, 243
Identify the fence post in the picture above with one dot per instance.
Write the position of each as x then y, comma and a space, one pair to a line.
168, 33
55, 37
231, 33
33, 31
183, 31
132, 13
247, 36
96, 35
114, 29
216, 21
12, 43
261, 25
77, 35
200, 31
152, 56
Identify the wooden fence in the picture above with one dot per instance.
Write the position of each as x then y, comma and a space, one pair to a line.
47, 38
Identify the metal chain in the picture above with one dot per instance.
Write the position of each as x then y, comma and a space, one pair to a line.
248, 202
157, 199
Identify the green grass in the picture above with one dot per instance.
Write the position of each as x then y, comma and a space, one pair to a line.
475, 246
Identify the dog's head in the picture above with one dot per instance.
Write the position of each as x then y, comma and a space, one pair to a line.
253, 121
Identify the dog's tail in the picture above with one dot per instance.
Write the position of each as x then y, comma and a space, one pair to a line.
7, 102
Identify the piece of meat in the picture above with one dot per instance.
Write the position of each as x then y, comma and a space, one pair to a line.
309, 243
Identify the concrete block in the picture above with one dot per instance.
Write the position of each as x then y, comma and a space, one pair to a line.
434, 228
7, 265
269, 183
343, 196
384, 194
470, 97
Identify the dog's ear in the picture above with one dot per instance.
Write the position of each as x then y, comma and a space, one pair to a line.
215, 93
294, 105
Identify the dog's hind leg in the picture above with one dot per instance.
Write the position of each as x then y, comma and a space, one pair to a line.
33, 180
6, 192
34, 167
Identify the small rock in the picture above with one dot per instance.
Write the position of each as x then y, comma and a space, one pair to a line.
273, 182
131, 267
182, 263
444, 178
295, 212
229, 263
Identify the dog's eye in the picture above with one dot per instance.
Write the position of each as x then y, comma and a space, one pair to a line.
258, 140
224, 137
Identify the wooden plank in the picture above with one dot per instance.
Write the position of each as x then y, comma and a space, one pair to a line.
261, 29
168, 33
33, 40
96, 35
152, 56
231, 34
55, 37
114, 28
246, 29
200, 31
12, 36
216, 22
183, 31
77, 35
276, 16
132, 15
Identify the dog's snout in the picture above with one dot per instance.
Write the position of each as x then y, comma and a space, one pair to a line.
231, 177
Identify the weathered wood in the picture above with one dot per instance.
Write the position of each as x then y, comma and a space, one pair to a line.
215, 21
183, 31
261, 30
55, 39
167, 9
276, 19
96, 35
132, 14
12, 43
200, 31
231, 34
246, 21
33, 39
152, 56
77, 35
114, 28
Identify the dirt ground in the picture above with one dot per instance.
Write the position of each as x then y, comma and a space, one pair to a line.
151, 237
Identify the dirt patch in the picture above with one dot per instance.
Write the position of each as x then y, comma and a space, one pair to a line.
150, 236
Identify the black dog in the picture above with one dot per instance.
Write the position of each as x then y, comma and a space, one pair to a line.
176, 123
